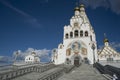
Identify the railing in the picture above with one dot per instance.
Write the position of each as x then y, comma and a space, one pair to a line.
69, 68
53, 76
99, 67
57, 73
108, 69
112, 70
19, 71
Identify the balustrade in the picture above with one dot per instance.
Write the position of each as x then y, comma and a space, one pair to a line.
108, 69
19, 71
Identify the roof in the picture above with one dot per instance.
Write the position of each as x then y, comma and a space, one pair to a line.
107, 50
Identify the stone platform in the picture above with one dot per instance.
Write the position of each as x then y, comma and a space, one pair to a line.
83, 72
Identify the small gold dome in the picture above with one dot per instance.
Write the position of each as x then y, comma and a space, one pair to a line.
33, 53
106, 40
82, 6
76, 9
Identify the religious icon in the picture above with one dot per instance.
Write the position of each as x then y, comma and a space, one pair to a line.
84, 51
76, 47
68, 52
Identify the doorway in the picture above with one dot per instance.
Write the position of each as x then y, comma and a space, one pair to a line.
76, 61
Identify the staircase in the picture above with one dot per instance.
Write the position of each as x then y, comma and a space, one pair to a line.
83, 72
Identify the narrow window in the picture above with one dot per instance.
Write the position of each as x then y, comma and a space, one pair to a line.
86, 33
66, 36
76, 33
90, 37
81, 33
71, 34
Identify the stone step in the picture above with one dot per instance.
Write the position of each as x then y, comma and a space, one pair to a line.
83, 72
35, 75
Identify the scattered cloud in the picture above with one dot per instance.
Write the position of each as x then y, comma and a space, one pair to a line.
100, 47
114, 5
4, 59
29, 19
115, 45
44, 54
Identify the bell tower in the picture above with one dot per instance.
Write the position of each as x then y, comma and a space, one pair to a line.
78, 39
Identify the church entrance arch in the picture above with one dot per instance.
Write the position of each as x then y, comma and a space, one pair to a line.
77, 61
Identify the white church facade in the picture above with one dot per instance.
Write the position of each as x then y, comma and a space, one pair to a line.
32, 58
79, 41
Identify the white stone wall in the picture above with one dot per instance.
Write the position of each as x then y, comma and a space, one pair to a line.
29, 59
32, 59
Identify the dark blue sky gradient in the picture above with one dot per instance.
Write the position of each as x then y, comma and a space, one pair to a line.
39, 24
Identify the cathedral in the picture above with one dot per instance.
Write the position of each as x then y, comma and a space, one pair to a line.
79, 41
80, 45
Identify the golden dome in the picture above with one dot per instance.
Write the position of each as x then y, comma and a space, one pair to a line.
33, 53
106, 40
82, 6
76, 9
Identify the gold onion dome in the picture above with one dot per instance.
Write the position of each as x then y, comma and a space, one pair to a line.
76, 9
33, 53
82, 6
106, 40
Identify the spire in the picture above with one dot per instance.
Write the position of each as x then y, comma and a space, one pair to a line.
76, 8
106, 41
77, 11
105, 38
82, 7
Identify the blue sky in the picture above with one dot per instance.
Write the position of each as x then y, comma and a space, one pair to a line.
39, 24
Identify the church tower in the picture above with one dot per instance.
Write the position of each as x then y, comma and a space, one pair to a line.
79, 41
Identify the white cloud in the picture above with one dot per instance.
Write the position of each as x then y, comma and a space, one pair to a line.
115, 45
28, 18
114, 5
6, 59
100, 46
42, 53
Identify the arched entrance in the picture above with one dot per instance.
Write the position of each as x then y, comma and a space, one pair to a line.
76, 61
86, 60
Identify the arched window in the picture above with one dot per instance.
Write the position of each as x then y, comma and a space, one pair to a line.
81, 33
91, 37
68, 52
67, 61
60, 46
76, 33
86, 33
66, 36
71, 34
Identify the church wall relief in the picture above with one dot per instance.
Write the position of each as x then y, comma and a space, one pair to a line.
76, 49
68, 52
84, 51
